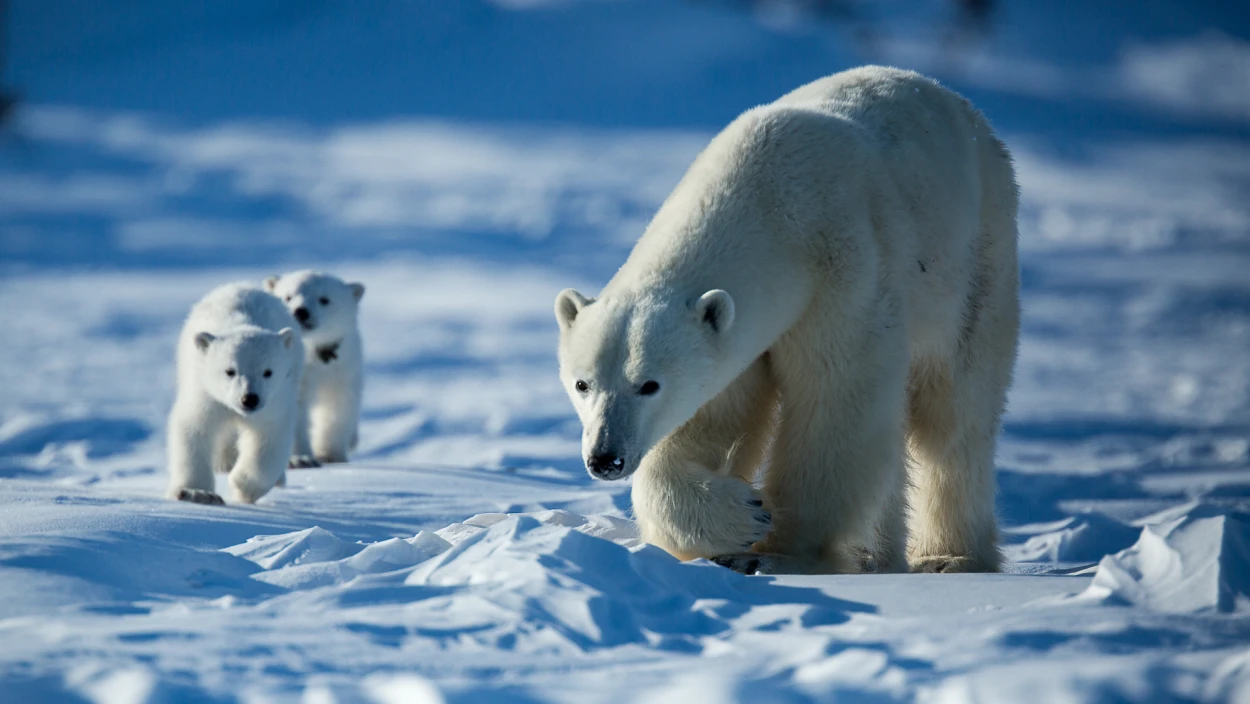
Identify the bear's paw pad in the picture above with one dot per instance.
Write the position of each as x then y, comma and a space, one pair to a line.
200, 496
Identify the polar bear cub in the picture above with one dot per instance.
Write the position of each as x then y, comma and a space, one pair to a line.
829, 296
326, 309
239, 367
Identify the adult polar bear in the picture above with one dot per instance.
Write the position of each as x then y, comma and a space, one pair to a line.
831, 292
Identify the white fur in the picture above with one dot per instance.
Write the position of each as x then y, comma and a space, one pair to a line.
241, 329
330, 398
831, 293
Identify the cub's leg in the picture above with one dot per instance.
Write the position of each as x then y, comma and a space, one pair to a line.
837, 460
192, 437
263, 456
693, 495
302, 454
334, 416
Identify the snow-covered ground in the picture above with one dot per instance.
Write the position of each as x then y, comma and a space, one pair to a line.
463, 161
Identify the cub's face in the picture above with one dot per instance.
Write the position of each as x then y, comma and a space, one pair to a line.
324, 306
243, 371
636, 370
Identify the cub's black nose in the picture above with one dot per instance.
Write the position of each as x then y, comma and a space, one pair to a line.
606, 466
250, 401
301, 314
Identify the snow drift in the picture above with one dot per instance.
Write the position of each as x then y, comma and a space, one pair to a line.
1198, 560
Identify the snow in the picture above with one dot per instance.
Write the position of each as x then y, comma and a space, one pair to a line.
469, 160
1199, 560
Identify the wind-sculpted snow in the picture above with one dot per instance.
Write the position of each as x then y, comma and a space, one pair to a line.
1075, 539
548, 580
1196, 561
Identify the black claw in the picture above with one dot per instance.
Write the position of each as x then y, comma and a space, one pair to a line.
765, 517
756, 502
750, 565
200, 497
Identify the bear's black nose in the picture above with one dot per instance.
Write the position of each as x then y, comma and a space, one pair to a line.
606, 466
301, 314
250, 401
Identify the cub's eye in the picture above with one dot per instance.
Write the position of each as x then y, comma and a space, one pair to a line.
287, 299
229, 372
648, 388
324, 301
581, 386
268, 373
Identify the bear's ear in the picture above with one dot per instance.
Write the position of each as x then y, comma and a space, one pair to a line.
358, 290
271, 282
716, 310
288, 337
203, 340
568, 304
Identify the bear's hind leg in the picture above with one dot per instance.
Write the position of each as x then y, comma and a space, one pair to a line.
951, 442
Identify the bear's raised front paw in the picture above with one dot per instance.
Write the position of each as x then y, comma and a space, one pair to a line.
933, 564
302, 462
200, 496
744, 562
759, 520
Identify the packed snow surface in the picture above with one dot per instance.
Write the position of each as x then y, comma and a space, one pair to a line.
468, 160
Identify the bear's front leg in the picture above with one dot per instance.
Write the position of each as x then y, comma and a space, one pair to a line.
191, 445
302, 454
692, 512
262, 463
334, 420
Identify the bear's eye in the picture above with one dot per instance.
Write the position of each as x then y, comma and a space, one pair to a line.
268, 373
324, 301
229, 372
287, 299
581, 386
649, 387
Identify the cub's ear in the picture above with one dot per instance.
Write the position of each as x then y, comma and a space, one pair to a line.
568, 304
271, 282
716, 310
203, 340
288, 337
358, 290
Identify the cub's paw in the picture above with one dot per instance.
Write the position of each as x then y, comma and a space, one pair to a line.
200, 496
745, 562
331, 458
932, 564
302, 462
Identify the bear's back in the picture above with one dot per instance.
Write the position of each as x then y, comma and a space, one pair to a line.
239, 305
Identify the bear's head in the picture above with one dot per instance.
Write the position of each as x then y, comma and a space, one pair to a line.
637, 368
324, 306
243, 369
